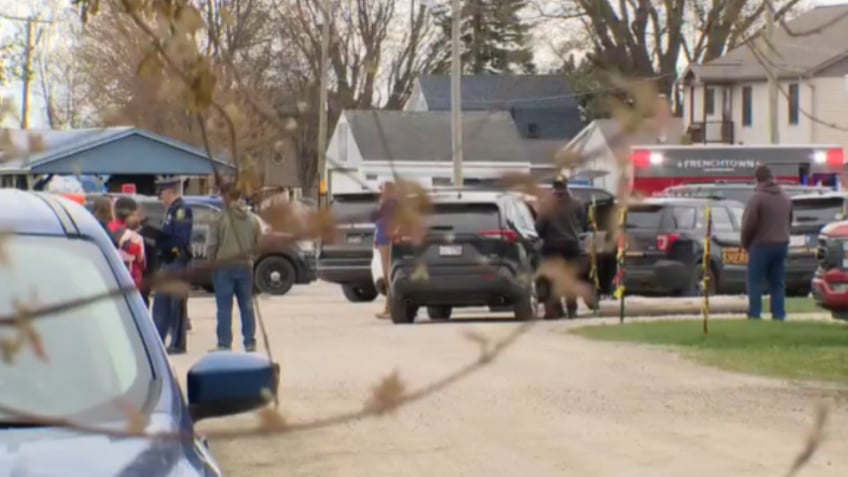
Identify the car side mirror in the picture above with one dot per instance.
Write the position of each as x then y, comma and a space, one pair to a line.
223, 383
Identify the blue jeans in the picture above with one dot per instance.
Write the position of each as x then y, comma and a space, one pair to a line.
228, 281
767, 262
169, 311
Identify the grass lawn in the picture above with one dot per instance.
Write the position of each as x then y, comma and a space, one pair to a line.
793, 350
794, 305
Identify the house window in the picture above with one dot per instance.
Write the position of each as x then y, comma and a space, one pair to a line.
747, 106
532, 130
371, 177
794, 105
709, 101
342, 142
442, 182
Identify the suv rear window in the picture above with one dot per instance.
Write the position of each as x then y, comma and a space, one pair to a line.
465, 217
644, 217
357, 207
819, 209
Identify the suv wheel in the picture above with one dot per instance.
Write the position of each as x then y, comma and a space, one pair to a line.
359, 293
402, 312
274, 275
527, 307
439, 312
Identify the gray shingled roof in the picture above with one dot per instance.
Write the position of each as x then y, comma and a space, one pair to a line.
542, 152
499, 92
426, 136
797, 54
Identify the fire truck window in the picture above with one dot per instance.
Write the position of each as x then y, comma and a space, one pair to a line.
685, 217
721, 220
644, 217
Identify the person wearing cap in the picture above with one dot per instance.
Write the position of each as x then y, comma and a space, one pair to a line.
765, 236
559, 227
173, 248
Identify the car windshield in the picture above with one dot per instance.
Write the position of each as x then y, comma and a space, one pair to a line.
94, 361
818, 209
643, 216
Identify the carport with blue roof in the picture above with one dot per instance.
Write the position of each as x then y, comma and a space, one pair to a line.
124, 154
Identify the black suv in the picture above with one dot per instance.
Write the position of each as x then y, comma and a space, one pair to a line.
481, 249
738, 191
665, 245
347, 262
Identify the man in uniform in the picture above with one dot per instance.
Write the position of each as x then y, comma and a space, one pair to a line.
560, 230
173, 247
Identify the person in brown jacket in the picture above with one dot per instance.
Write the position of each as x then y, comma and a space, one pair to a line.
765, 236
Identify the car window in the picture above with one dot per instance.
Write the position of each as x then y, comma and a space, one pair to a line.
465, 217
818, 209
355, 207
94, 358
684, 217
721, 220
644, 216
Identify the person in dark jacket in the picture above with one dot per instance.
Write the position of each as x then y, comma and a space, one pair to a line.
765, 236
560, 230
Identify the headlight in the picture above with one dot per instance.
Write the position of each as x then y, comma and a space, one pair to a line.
306, 245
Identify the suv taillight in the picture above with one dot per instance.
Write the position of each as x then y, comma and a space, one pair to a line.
665, 241
503, 234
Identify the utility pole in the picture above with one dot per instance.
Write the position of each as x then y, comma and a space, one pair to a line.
772, 75
29, 47
27, 76
322, 108
456, 93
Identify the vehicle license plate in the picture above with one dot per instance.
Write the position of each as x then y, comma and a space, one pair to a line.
354, 239
798, 241
450, 250
734, 256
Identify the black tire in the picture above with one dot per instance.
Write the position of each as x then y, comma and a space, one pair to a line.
402, 312
839, 315
359, 293
441, 312
797, 292
208, 288
274, 275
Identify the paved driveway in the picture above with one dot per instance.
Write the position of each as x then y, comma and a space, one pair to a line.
553, 405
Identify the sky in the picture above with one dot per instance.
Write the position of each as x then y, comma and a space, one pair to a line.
12, 89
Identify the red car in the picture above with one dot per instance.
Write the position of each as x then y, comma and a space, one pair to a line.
830, 282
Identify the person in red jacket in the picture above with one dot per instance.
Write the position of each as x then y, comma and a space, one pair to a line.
129, 242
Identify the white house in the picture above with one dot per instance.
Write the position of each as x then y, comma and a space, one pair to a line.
726, 99
370, 147
602, 144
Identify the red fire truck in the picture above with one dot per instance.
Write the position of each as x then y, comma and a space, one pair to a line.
656, 167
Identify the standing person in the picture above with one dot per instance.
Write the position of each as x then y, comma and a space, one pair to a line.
104, 213
233, 242
130, 243
765, 236
382, 237
559, 228
174, 251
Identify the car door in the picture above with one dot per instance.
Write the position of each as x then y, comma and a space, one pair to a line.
203, 216
520, 219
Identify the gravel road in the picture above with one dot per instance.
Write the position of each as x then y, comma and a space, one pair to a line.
552, 405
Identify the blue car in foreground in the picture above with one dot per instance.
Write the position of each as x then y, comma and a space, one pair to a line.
97, 361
